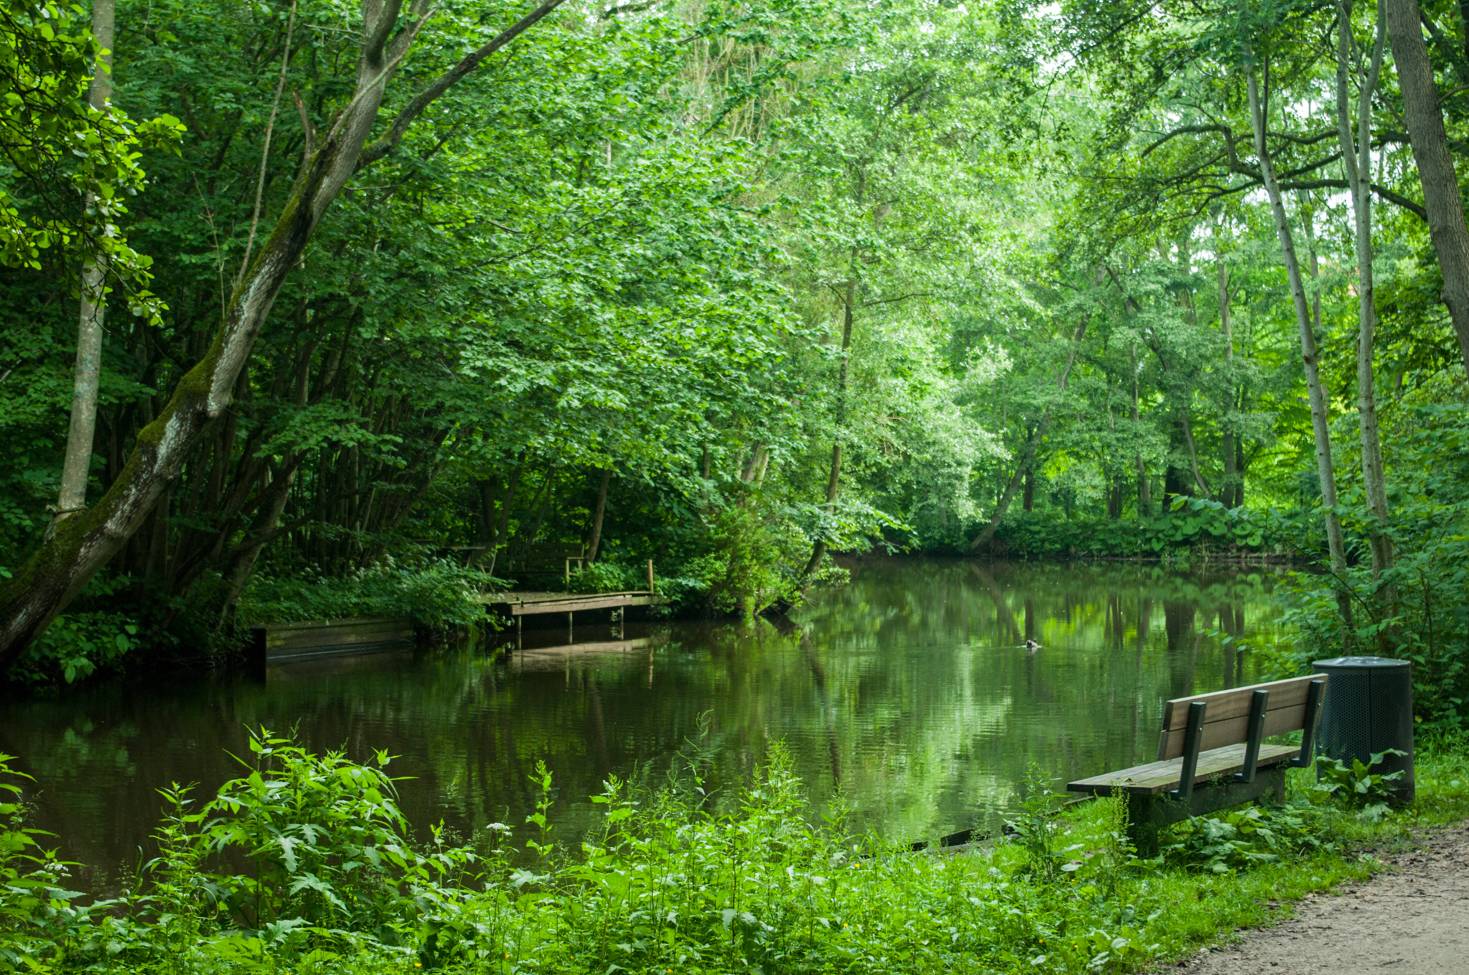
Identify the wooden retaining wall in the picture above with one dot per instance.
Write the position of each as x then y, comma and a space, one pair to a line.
281, 642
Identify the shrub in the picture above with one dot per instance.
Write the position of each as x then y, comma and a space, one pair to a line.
76, 646
329, 865
438, 595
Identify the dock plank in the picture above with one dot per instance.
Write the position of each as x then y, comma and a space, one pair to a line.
536, 603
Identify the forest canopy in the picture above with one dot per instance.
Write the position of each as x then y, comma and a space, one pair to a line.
313, 306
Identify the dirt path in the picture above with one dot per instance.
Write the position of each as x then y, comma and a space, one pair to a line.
1411, 919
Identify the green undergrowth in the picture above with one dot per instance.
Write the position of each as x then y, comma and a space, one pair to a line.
305, 864
437, 595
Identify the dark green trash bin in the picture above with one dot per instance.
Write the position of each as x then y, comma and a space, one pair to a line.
1369, 709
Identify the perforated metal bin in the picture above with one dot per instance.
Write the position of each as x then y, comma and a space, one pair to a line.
1369, 709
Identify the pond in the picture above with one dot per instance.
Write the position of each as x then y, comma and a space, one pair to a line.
909, 693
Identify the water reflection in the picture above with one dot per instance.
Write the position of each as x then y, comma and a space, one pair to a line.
909, 693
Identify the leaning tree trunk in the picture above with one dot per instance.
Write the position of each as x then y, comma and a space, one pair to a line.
1334, 542
86, 375
1435, 166
1032, 444
84, 543
1357, 161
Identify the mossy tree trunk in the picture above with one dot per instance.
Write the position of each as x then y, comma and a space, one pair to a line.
84, 543
1356, 146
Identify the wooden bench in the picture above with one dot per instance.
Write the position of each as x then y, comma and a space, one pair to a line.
1212, 754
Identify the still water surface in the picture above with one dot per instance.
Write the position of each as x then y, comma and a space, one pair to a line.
909, 693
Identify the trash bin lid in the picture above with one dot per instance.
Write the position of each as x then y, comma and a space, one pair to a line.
1365, 663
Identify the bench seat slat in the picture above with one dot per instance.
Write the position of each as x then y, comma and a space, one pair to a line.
1158, 777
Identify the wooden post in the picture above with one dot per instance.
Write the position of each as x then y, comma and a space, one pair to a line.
650, 575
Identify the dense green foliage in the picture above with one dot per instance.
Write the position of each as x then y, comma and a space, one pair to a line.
730, 286
304, 863
1199, 524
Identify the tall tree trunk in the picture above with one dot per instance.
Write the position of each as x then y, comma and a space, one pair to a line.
1177, 482
1144, 481
266, 527
599, 511
753, 470
1435, 166
1357, 161
1319, 420
1227, 493
1032, 444
1185, 409
502, 525
82, 544
484, 533
1239, 464
76, 463
1186, 427
834, 472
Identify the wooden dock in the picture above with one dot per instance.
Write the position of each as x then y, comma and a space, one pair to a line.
519, 605
522, 604
539, 603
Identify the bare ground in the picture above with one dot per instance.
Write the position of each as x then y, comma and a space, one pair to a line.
1410, 919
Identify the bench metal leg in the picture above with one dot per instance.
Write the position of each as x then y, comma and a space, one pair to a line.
1259, 703
1314, 693
1147, 814
1192, 737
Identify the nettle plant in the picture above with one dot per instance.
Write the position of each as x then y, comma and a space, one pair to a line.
37, 913
322, 856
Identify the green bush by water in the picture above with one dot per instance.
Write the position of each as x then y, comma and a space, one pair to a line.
1198, 524
304, 864
437, 594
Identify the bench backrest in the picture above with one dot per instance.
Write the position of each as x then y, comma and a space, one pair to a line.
1227, 714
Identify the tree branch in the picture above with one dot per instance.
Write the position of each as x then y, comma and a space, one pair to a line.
275, 105
447, 80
